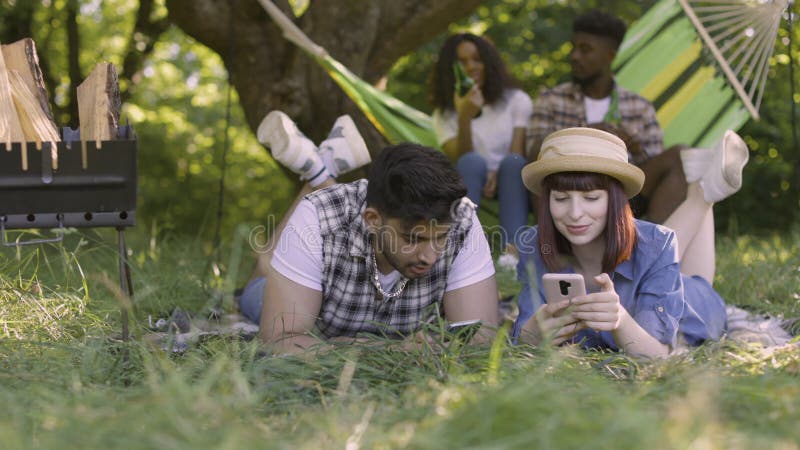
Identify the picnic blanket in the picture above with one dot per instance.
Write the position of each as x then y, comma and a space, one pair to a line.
766, 330
181, 332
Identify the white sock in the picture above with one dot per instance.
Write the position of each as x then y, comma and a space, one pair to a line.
695, 162
318, 175
344, 149
327, 159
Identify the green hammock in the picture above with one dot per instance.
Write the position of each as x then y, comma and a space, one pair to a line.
701, 63
397, 121
665, 58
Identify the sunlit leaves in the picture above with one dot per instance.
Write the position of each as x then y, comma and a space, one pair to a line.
533, 37
177, 108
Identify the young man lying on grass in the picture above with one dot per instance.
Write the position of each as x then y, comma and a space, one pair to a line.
382, 256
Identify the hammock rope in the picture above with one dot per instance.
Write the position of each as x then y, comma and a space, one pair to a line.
741, 36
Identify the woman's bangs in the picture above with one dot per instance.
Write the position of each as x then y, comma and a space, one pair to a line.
576, 181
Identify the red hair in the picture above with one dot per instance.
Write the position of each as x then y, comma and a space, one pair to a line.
620, 231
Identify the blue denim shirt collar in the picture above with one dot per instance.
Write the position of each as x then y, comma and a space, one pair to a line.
625, 269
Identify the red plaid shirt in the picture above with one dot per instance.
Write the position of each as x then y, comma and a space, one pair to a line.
563, 107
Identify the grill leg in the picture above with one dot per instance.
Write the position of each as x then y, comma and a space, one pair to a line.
125, 284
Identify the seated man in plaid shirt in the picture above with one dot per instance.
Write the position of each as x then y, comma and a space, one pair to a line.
593, 99
382, 256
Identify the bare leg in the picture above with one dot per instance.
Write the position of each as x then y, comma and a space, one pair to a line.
264, 258
693, 222
699, 258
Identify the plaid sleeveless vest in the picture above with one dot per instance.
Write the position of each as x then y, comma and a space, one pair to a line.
350, 302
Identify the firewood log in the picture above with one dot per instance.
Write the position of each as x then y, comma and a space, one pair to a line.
10, 128
99, 104
22, 57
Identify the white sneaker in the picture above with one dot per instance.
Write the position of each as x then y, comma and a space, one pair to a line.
291, 147
724, 175
344, 149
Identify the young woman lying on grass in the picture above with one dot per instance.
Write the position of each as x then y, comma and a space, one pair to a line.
645, 294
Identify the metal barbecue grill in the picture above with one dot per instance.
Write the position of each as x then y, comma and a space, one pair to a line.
89, 185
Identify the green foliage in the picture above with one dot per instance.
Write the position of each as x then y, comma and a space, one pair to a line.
177, 108
181, 142
66, 383
761, 274
533, 36
771, 194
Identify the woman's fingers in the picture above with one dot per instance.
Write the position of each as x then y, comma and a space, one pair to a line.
570, 329
600, 311
596, 297
600, 316
548, 321
553, 326
567, 332
602, 326
470, 104
556, 307
606, 285
591, 306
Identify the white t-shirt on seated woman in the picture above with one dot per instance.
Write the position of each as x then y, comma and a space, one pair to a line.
493, 131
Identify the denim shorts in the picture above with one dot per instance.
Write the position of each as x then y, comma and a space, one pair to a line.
252, 298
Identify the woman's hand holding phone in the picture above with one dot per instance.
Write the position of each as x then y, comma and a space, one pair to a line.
552, 321
602, 310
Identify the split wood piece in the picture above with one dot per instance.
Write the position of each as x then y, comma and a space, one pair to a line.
22, 57
99, 105
10, 128
36, 126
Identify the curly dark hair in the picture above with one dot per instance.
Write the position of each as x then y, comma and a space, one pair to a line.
601, 23
442, 81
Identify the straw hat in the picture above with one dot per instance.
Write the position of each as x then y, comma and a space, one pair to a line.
583, 150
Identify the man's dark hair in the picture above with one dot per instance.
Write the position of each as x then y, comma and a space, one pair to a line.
601, 23
412, 182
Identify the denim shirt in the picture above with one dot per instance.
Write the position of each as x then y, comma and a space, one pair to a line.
649, 285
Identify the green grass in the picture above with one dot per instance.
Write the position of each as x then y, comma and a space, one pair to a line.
66, 382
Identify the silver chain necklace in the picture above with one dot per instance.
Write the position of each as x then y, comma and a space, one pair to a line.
376, 282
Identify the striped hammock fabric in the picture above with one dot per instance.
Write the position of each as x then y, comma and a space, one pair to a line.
702, 63
394, 119
397, 121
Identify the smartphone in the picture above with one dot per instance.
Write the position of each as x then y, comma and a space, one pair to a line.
563, 286
462, 331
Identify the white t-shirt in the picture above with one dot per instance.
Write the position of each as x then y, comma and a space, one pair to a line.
493, 131
596, 109
298, 255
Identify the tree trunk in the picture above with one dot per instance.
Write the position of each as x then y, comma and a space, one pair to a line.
268, 72
142, 40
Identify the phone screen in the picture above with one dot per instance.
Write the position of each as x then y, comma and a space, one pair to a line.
462, 331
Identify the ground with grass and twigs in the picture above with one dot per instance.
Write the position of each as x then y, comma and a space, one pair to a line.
67, 382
